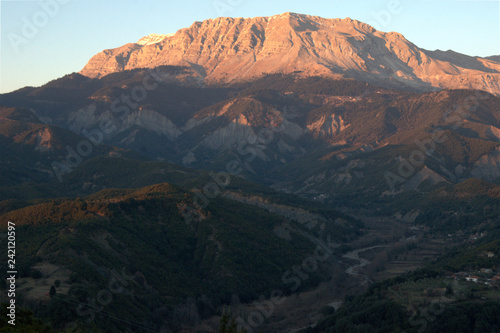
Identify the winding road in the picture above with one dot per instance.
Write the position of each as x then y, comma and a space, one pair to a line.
354, 255
351, 270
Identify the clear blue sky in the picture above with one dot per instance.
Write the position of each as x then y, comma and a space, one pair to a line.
78, 29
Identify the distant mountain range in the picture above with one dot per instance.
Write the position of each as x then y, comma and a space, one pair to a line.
235, 49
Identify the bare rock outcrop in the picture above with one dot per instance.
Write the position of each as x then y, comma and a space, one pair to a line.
236, 49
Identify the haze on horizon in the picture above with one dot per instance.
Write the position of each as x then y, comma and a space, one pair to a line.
69, 33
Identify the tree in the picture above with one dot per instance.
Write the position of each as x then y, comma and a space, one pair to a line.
52, 291
228, 324
36, 274
25, 322
449, 291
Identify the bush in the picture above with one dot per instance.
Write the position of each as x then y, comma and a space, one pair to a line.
36, 274
327, 311
52, 291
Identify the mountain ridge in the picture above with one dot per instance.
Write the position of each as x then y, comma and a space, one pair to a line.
239, 49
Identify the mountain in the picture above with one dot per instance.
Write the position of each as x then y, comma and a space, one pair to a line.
199, 191
340, 141
317, 137
137, 243
152, 39
238, 49
494, 58
33, 146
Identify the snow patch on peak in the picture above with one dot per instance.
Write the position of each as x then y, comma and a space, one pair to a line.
153, 39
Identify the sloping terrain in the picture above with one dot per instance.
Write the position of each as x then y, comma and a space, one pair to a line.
236, 49
140, 240
186, 173
329, 140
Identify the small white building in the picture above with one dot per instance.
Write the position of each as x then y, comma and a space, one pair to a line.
472, 278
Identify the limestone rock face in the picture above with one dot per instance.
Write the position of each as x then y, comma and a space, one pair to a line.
236, 49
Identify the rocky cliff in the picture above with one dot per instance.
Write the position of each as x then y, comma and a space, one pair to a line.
235, 49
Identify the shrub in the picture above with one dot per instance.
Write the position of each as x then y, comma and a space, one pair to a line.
36, 274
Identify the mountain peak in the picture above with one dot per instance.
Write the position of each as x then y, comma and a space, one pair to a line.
153, 39
229, 49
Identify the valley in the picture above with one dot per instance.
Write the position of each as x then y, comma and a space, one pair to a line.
290, 172
359, 268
